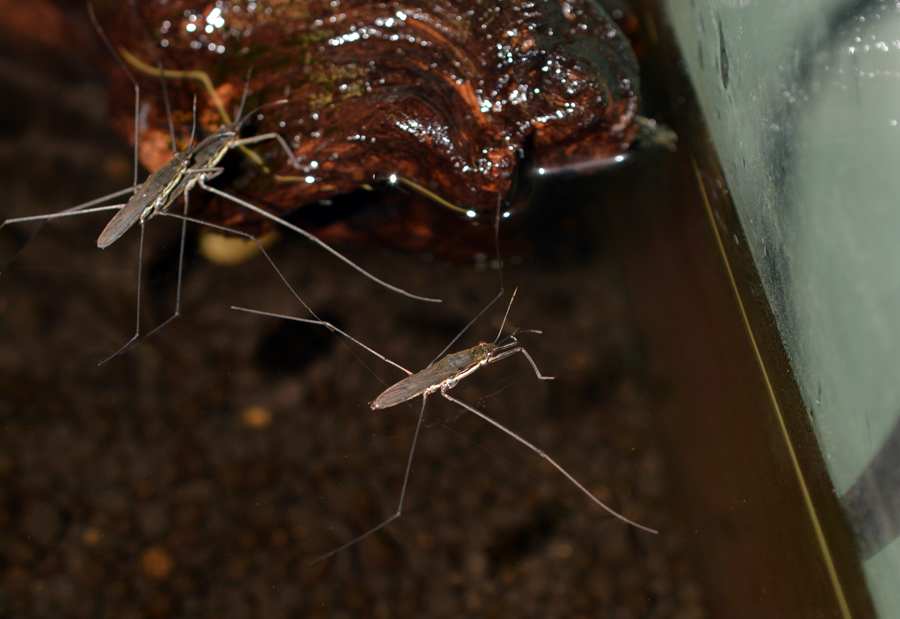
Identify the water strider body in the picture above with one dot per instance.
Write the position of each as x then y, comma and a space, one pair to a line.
154, 195
182, 173
445, 373
162, 188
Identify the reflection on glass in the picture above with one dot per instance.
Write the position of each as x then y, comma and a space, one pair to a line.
803, 101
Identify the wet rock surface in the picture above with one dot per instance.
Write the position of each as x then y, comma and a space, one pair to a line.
449, 95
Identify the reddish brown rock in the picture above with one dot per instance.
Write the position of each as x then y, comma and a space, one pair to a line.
451, 94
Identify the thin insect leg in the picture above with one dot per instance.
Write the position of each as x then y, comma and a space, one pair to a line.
325, 324
312, 238
184, 219
66, 213
180, 262
506, 315
86, 207
165, 90
399, 511
137, 88
314, 320
249, 153
242, 144
162, 71
249, 115
518, 331
271, 136
80, 209
210, 173
45, 219
172, 74
137, 340
137, 330
544, 455
507, 353
499, 294
497, 240
493, 454
203, 78
240, 109
193, 122
471, 322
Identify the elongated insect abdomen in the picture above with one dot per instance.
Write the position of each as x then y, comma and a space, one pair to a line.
406, 389
156, 189
120, 224
430, 379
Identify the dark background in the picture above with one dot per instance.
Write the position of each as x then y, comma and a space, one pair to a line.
147, 486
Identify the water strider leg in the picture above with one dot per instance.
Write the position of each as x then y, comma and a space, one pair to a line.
271, 136
137, 339
544, 455
507, 353
399, 511
137, 330
312, 238
318, 321
499, 294
203, 78
81, 209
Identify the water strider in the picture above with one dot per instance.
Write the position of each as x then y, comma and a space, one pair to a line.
182, 173
162, 188
187, 169
442, 375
